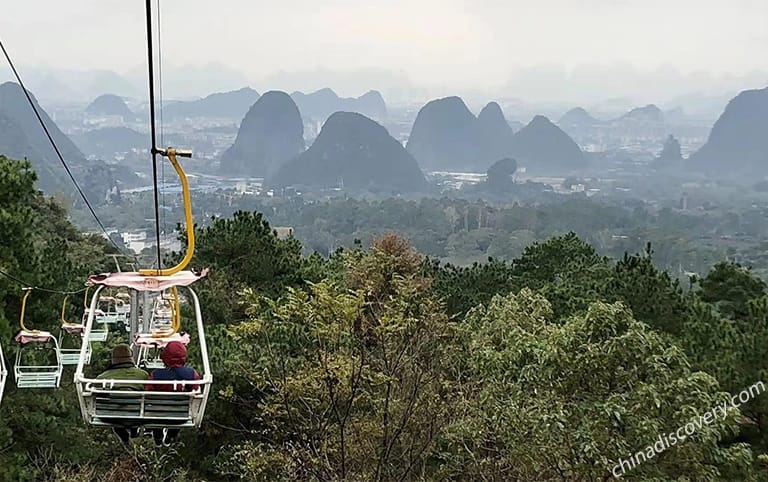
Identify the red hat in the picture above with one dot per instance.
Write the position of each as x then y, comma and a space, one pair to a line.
174, 354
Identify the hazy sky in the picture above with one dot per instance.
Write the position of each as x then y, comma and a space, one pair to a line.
442, 43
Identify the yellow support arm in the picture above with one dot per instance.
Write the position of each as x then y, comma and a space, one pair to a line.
171, 153
23, 309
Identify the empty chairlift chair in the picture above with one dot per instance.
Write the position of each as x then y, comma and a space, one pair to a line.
100, 332
165, 322
38, 360
124, 309
112, 309
71, 340
103, 402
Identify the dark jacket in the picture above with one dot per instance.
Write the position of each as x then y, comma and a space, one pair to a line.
174, 357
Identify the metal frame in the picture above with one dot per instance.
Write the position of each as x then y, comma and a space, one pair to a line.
3, 373
38, 376
89, 389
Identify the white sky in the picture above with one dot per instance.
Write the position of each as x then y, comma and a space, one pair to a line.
462, 43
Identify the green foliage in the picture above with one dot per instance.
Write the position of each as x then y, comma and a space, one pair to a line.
352, 382
564, 401
243, 251
727, 339
730, 287
376, 364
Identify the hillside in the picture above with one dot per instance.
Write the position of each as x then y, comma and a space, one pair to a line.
357, 153
271, 133
23, 137
738, 142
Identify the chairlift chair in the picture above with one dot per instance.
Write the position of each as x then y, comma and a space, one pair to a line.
103, 403
124, 309
164, 326
101, 333
97, 334
112, 309
34, 374
71, 334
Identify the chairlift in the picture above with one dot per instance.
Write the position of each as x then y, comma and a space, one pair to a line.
71, 339
101, 333
164, 326
112, 308
33, 344
102, 402
124, 309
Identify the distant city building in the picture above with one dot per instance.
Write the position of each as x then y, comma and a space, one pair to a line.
283, 232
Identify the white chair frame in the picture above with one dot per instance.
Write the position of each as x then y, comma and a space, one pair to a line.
104, 403
38, 376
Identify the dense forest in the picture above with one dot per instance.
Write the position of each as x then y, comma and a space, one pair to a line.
380, 363
464, 230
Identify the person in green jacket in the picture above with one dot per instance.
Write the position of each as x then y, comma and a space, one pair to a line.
124, 368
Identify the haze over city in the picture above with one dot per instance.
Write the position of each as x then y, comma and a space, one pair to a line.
550, 50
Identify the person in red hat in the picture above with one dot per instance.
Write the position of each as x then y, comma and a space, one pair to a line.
174, 357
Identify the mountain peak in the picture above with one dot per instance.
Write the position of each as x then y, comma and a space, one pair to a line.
648, 113
355, 152
737, 141
110, 104
543, 147
270, 134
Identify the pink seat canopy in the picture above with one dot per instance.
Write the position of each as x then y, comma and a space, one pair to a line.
23, 337
73, 328
147, 340
134, 280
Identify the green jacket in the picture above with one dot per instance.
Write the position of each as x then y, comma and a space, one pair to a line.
125, 371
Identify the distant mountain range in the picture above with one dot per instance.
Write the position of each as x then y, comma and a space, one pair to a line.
446, 136
639, 122
578, 117
324, 102
233, 105
353, 152
271, 133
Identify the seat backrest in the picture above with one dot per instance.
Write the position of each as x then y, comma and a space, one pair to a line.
138, 407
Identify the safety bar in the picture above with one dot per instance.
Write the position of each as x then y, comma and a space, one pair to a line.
108, 384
